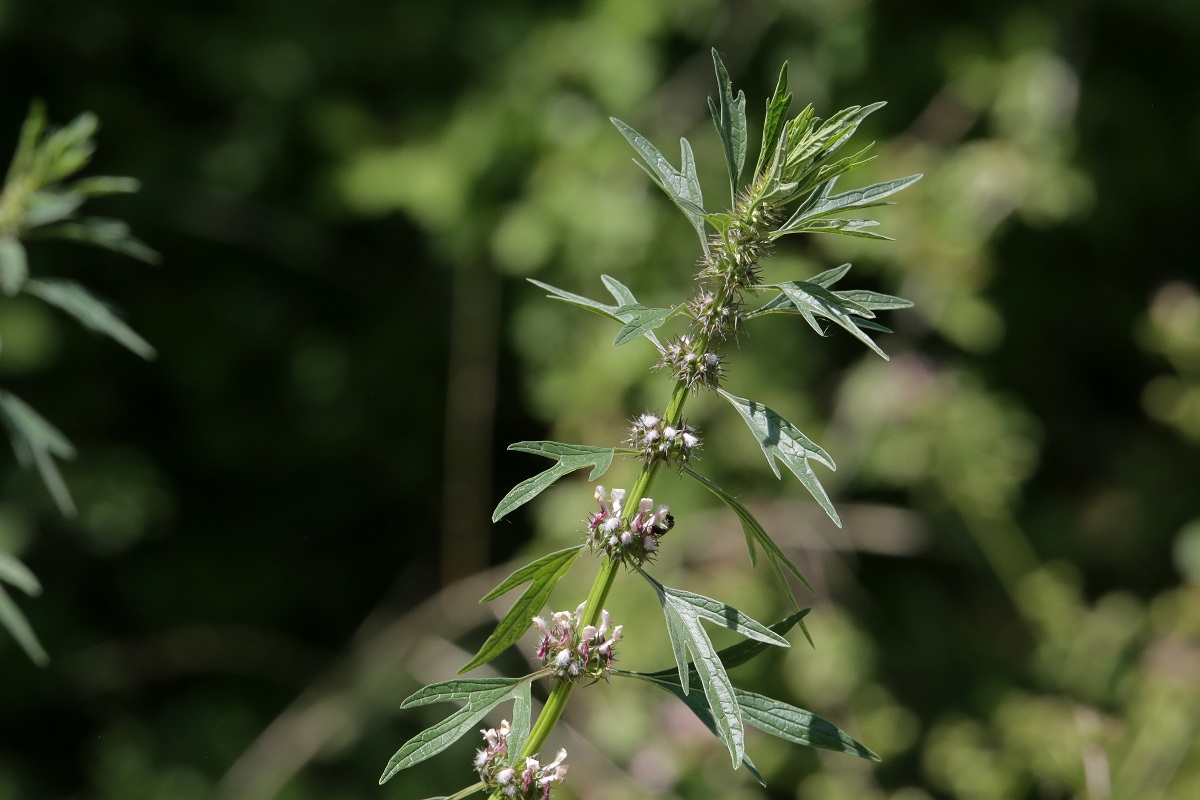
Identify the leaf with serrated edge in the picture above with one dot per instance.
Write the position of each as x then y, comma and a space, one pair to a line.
822, 302
754, 532
725, 615
570, 457
780, 439
92, 313
435, 739
542, 576
13, 620
797, 725
729, 116
643, 321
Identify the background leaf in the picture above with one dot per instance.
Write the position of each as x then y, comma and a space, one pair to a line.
37, 443
94, 314
14, 268
19, 628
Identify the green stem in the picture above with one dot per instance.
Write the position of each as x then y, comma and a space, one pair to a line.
556, 703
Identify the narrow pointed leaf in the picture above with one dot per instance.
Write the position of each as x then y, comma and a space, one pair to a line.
732, 656
875, 301
729, 116
725, 615
542, 576
866, 197
91, 312
830, 276
684, 612
110, 234
754, 533
713, 679
437, 738
643, 320
458, 689
522, 720
570, 457
780, 439
817, 300
683, 187
14, 572
845, 227
37, 443
14, 267
619, 291
777, 108
14, 621
699, 706
797, 725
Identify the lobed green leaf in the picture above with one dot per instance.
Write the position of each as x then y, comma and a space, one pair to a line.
729, 116
732, 656
780, 439
437, 738
811, 299
570, 457
618, 290
542, 576
642, 321
683, 187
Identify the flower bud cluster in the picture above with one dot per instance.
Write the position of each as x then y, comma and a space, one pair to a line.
659, 441
571, 656
629, 541
689, 363
531, 782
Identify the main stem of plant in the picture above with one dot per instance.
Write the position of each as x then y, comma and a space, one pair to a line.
556, 703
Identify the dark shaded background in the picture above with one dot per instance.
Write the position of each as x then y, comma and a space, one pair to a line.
348, 197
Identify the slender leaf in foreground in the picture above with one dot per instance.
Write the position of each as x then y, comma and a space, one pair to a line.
37, 443
780, 439
542, 576
568, 458
437, 738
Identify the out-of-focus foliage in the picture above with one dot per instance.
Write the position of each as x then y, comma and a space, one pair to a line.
349, 196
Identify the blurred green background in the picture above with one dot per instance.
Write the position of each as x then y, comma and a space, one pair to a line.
283, 523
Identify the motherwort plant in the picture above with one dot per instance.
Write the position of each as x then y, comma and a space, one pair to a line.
791, 190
